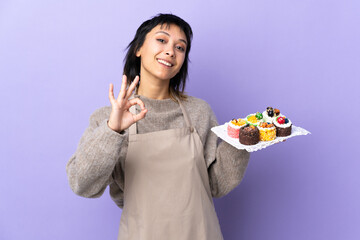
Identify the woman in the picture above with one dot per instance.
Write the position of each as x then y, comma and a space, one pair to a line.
154, 148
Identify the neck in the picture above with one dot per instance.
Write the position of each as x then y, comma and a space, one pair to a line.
154, 89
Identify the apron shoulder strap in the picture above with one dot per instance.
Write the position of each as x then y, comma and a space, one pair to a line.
186, 115
133, 128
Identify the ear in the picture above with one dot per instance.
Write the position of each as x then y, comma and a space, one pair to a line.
138, 53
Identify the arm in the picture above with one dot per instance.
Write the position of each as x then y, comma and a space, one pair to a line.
92, 167
89, 169
226, 164
228, 169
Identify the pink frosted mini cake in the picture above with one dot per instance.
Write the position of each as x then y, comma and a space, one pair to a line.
234, 127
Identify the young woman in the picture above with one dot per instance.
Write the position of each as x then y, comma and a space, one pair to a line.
154, 147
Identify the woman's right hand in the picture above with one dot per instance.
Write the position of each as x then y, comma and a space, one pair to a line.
120, 117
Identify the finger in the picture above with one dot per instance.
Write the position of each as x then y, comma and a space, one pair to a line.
140, 115
137, 101
123, 88
111, 93
132, 87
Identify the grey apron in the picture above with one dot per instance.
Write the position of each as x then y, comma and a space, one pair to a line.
167, 193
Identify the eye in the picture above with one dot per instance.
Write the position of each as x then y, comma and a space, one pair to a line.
161, 40
180, 48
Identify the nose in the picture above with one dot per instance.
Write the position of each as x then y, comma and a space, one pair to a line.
169, 52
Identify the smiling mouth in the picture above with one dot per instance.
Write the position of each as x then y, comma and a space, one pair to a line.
165, 63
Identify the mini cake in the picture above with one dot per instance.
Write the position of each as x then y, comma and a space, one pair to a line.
234, 127
267, 131
270, 114
254, 119
249, 135
283, 126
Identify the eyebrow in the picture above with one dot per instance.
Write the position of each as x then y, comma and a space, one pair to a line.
182, 40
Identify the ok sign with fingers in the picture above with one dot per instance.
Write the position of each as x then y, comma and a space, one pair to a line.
120, 117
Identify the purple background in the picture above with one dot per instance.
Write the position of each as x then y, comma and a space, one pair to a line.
57, 59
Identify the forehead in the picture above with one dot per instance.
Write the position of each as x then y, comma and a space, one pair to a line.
172, 29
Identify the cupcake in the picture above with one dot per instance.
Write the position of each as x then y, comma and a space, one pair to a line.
249, 135
234, 126
254, 119
283, 126
267, 131
270, 114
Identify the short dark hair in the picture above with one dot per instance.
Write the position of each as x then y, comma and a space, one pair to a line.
132, 62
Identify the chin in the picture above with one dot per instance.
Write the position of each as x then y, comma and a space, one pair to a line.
165, 77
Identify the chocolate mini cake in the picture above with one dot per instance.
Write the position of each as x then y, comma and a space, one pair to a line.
249, 135
283, 126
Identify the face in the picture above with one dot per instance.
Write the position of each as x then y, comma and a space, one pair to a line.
162, 53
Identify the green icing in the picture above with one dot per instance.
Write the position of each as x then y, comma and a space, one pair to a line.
259, 116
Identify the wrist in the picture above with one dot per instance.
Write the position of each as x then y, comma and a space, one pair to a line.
118, 130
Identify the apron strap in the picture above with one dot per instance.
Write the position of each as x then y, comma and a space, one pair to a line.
133, 127
186, 116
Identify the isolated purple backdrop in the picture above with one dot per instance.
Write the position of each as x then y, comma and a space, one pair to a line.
57, 59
